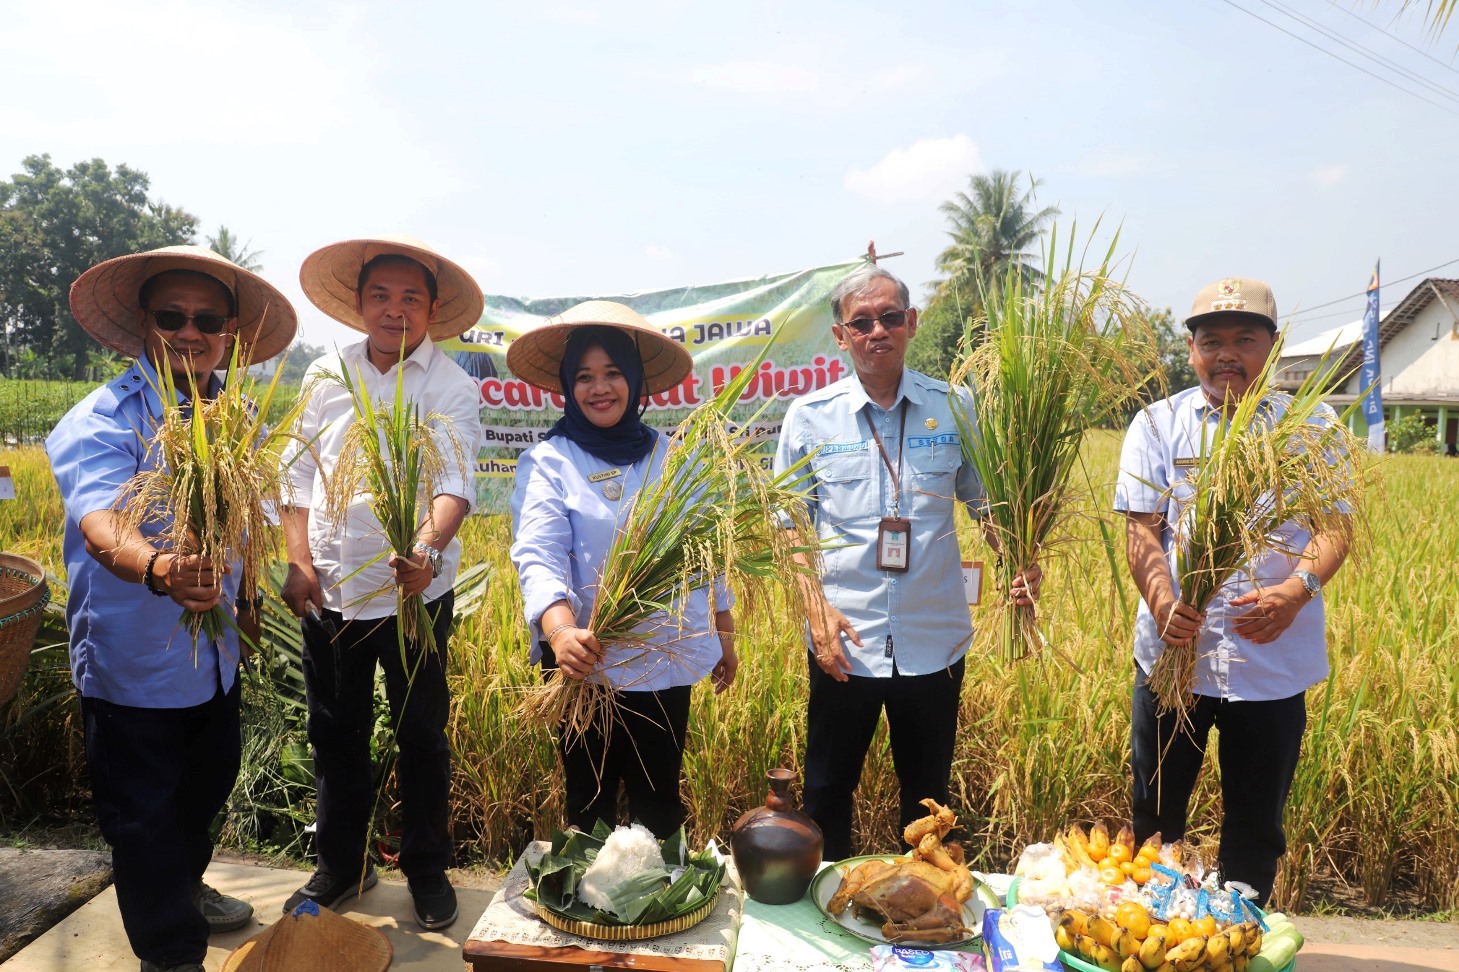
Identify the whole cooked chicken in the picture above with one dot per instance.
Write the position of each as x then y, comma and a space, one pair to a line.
920, 898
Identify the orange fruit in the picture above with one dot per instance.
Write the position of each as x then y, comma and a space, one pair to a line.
1132, 916
1204, 926
1144, 858
1127, 867
1140, 875
1118, 854
1111, 875
1178, 931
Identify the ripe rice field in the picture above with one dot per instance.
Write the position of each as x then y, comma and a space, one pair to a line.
1374, 808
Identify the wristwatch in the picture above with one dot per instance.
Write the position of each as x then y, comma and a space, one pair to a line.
433, 557
1309, 581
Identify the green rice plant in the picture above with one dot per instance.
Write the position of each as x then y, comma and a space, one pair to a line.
1273, 457
400, 457
1056, 361
217, 480
711, 514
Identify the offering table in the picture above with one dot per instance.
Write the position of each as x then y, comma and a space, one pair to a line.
736, 937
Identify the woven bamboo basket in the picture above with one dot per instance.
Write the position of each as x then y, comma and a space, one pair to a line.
626, 933
23, 598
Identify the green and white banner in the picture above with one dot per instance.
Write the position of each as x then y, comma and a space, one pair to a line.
723, 326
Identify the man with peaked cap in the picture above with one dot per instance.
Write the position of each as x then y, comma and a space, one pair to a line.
161, 714
343, 577
1262, 640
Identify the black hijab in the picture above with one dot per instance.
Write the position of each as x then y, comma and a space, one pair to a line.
629, 440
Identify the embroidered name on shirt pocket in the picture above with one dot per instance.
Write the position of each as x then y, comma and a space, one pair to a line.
842, 462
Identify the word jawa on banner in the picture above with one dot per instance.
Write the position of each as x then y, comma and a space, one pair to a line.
770, 381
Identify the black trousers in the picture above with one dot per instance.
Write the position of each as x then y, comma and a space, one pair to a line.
1260, 743
339, 677
159, 778
841, 719
643, 750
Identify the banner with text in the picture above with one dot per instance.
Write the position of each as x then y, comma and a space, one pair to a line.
723, 326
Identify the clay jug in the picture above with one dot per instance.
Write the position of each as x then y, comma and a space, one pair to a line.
777, 849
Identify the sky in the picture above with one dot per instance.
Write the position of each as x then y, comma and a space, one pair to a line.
590, 148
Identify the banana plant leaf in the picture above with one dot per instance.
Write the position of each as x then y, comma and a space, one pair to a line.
646, 898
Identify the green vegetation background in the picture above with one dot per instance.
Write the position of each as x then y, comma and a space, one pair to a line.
1374, 804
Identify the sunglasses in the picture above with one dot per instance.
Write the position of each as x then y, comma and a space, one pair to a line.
176, 320
890, 321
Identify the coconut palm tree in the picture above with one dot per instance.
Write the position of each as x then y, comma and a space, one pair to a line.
993, 225
226, 245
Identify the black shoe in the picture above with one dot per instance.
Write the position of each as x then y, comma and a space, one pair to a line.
435, 901
184, 967
328, 890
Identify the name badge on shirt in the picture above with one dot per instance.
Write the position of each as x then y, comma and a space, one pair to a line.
893, 543
612, 492
1187, 462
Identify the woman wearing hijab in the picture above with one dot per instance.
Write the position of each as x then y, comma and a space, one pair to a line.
572, 492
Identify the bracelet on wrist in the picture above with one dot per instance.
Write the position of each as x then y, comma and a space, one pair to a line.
554, 632
148, 579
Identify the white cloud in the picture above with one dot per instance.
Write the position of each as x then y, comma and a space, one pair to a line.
1329, 175
757, 77
658, 253
928, 169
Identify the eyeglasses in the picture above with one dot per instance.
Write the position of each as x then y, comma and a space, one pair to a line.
176, 320
890, 321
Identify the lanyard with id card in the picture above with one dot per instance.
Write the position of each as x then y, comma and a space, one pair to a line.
894, 533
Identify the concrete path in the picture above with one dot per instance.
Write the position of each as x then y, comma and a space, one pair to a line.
92, 938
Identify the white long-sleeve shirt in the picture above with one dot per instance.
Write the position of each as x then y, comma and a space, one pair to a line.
434, 383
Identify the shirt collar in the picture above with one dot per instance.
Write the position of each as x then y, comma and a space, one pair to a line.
152, 384
420, 358
908, 389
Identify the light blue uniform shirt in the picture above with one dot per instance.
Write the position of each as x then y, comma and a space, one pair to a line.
563, 524
127, 645
924, 610
1161, 448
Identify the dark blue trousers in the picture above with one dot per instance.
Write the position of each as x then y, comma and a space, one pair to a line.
1260, 743
159, 778
339, 678
841, 719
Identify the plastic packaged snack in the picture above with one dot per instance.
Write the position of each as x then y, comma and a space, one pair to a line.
900, 958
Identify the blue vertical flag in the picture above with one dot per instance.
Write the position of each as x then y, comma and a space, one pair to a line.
1369, 374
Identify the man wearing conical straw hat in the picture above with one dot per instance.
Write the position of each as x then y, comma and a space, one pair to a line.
344, 579
1259, 645
161, 722
889, 627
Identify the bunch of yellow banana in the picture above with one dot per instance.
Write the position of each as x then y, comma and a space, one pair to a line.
1133, 942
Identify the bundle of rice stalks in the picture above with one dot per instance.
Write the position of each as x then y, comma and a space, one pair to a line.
712, 515
217, 480
400, 458
1056, 360
1276, 457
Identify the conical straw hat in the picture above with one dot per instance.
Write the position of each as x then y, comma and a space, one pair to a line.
313, 939
106, 300
331, 273
536, 355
